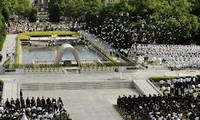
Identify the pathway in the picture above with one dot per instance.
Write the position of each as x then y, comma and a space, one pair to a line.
98, 42
90, 104
9, 46
11, 89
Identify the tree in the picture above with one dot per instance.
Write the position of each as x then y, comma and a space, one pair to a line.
172, 20
54, 11
2, 32
32, 16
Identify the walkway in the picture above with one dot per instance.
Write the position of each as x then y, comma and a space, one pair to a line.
145, 87
98, 42
90, 104
9, 46
11, 89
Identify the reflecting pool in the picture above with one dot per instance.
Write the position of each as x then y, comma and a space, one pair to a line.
32, 53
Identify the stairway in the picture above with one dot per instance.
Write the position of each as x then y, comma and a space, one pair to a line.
146, 87
77, 85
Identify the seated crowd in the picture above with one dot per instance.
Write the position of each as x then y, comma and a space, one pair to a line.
157, 107
176, 56
180, 86
19, 26
33, 109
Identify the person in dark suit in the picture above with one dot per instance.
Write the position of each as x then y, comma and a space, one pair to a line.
22, 103
7, 103
43, 102
17, 104
33, 102
28, 102
21, 94
39, 102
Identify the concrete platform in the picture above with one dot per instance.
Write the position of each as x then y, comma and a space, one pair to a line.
87, 104
11, 90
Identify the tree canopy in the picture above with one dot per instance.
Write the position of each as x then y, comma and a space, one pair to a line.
18, 7
151, 21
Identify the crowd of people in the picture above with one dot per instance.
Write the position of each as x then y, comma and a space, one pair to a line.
113, 34
33, 109
15, 26
180, 86
157, 107
175, 56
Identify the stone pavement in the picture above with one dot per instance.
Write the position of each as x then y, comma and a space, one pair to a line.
100, 43
96, 41
87, 104
145, 88
11, 89
90, 104
9, 46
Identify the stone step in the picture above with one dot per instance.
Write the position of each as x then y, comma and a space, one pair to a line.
76, 85
144, 87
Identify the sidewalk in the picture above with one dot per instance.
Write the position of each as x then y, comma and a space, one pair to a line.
100, 43
9, 47
11, 90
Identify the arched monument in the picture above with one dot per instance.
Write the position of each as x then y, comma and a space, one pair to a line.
62, 50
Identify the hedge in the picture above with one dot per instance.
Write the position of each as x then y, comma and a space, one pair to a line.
1, 82
102, 52
165, 78
2, 33
131, 63
49, 33
158, 78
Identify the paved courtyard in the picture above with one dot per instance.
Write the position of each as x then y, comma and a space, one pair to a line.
90, 104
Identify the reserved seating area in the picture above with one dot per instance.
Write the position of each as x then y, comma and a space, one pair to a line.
180, 86
175, 56
18, 26
159, 107
33, 109
180, 100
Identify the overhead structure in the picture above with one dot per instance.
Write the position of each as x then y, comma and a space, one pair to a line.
62, 50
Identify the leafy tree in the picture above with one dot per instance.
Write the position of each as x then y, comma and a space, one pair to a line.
2, 32
54, 11
32, 16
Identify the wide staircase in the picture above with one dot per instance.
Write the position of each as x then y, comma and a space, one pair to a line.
77, 85
146, 87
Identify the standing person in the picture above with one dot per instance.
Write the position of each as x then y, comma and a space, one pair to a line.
21, 94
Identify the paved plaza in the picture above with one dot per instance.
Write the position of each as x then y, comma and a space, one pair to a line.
9, 46
87, 104
90, 104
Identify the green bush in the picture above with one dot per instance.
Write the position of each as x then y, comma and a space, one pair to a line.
1, 82
165, 78
2, 33
102, 52
158, 78
131, 63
